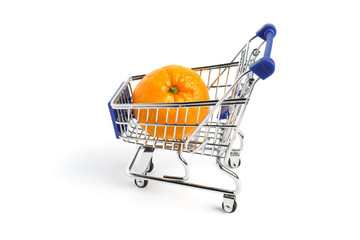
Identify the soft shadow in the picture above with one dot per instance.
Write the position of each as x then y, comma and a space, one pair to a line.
100, 164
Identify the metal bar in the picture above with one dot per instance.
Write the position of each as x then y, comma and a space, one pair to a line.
175, 142
227, 77
217, 87
231, 64
176, 118
186, 114
166, 120
221, 86
157, 112
176, 125
187, 184
186, 168
208, 78
207, 103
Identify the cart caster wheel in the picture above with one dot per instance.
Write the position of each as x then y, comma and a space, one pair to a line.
141, 183
229, 209
151, 166
229, 204
234, 161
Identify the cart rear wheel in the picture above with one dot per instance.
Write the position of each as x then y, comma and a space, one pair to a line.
141, 183
234, 162
229, 204
228, 208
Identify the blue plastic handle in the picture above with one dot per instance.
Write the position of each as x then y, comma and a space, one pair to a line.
265, 66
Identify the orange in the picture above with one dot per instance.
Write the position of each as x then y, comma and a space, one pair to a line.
170, 84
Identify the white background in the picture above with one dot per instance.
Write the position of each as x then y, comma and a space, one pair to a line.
62, 172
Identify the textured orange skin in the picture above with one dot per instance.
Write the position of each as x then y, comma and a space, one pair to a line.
154, 88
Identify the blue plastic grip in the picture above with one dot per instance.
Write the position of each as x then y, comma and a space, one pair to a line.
265, 66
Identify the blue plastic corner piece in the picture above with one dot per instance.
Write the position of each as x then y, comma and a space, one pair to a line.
224, 112
264, 67
114, 116
262, 32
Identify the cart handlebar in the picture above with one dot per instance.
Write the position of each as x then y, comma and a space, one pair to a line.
265, 66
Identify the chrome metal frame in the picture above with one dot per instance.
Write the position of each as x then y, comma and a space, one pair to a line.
214, 136
140, 159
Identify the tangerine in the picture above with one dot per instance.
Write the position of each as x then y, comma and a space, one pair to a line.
170, 84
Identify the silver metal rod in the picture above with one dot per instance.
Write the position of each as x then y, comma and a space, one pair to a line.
182, 183
186, 168
178, 105
173, 125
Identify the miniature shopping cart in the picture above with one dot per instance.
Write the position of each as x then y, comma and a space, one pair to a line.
217, 135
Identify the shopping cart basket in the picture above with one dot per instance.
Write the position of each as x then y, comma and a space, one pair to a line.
217, 135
